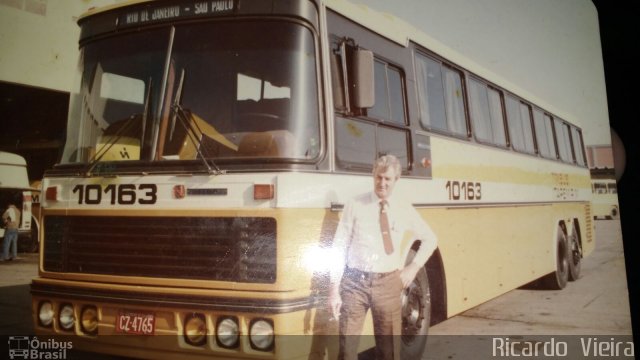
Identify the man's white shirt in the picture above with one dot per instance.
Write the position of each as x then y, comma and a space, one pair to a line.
359, 237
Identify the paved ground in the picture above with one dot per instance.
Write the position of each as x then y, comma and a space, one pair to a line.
594, 306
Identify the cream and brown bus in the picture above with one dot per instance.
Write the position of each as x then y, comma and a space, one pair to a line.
211, 146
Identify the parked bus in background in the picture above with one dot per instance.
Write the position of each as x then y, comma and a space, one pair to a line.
211, 147
15, 188
605, 199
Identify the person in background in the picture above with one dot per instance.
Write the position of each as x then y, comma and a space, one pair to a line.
11, 221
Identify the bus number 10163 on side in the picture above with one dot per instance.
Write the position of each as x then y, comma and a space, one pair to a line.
464, 190
123, 194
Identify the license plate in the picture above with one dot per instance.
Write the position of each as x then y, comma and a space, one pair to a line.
131, 322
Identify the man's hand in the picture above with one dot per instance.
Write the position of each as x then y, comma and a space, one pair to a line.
408, 274
335, 302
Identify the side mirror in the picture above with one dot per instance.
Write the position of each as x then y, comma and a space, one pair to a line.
362, 84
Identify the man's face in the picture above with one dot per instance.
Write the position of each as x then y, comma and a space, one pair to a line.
383, 182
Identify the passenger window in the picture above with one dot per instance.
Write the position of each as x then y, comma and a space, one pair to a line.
519, 120
441, 97
430, 94
389, 103
394, 141
576, 136
486, 113
454, 101
544, 134
564, 142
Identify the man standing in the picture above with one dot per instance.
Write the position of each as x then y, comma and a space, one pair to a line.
370, 236
11, 220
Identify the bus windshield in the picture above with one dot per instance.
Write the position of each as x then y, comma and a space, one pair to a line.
227, 91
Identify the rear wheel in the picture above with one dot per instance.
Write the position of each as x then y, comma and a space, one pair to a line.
416, 316
558, 279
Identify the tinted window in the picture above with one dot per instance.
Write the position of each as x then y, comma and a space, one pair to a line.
576, 136
389, 95
486, 113
519, 119
564, 142
431, 94
544, 134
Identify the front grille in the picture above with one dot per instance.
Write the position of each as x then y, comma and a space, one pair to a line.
226, 249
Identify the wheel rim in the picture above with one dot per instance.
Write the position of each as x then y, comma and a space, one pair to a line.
575, 250
413, 304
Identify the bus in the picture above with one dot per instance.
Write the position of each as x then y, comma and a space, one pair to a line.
605, 199
211, 147
15, 188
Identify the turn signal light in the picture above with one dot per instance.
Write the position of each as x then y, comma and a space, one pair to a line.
263, 191
52, 193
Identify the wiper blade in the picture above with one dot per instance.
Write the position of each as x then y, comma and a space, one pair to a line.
192, 130
104, 149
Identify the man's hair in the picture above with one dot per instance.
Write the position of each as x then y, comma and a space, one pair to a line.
385, 162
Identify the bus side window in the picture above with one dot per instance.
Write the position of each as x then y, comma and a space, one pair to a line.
389, 104
519, 119
360, 141
355, 144
440, 96
564, 143
578, 146
368, 133
544, 134
486, 113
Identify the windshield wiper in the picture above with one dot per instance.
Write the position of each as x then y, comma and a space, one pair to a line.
192, 129
104, 149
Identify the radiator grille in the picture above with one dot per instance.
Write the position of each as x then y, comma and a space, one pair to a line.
227, 249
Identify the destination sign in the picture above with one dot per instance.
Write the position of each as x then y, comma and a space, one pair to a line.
182, 9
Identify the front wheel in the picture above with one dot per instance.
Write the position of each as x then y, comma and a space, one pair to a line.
416, 316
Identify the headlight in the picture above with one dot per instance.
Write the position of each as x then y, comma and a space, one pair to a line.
66, 318
227, 332
261, 335
195, 329
45, 314
89, 320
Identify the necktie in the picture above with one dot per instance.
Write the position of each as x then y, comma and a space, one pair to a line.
384, 227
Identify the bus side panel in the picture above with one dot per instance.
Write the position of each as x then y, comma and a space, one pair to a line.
488, 251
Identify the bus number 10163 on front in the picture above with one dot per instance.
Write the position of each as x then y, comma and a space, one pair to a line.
123, 194
464, 190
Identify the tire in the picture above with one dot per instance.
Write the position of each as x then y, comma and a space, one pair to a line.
557, 280
575, 254
416, 315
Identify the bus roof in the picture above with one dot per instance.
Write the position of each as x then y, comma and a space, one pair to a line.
100, 9
13, 172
